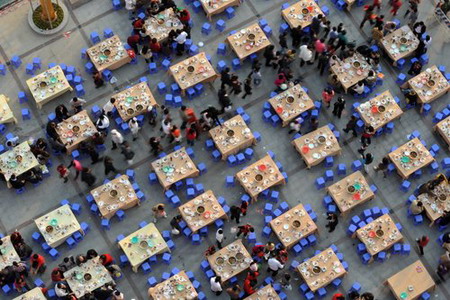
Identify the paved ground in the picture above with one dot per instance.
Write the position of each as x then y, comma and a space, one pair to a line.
18, 212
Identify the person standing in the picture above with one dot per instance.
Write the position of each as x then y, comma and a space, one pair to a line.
77, 166
220, 237
377, 4
322, 63
102, 123
247, 87
332, 219
133, 41
339, 106
116, 138
191, 135
216, 286
296, 34
234, 291
366, 136
269, 55
155, 145
282, 40
305, 55
147, 54
396, 4
77, 104
422, 242
351, 126
244, 230
236, 85
88, 177
274, 265
130, 5
63, 172
367, 160
175, 224
181, 40
368, 15
109, 106
134, 127
382, 166
327, 96
342, 40
127, 152
93, 153
109, 167
225, 78
158, 212
235, 213
295, 126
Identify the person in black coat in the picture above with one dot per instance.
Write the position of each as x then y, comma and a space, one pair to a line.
61, 112
86, 176
235, 213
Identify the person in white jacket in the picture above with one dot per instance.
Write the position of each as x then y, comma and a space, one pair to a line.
219, 237
130, 6
102, 123
306, 55
166, 126
117, 138
134, 128
274, 266
216, 286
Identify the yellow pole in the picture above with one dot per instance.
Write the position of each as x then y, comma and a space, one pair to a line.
48, 12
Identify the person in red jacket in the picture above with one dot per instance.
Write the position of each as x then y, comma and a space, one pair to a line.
244, 206
106, 259
248, 288
338, 296
396, 4
258, 251
377, 4
245, 230
37, 264
191, 135
133, 41
184, 16
422, 242
57, 275
155, 46
253, 277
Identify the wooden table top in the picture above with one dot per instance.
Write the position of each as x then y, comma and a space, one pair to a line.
371, 115
202, 211
233, 136
291, 103
260, 176
6, 114
220, 264
162, 24
434, 207
34, 294
174, 167
402, 160
76, 129
374, 243
293, 225
348, 74
443, 128
314, 152
9, 254
179, 286
265, 293
425, 93
48, 85
326, 259
346, 199
17, 161
137, 253
243, 46
193, 70
214, 7
415, 276
115, 195
400, 43
301, 13
80, 287
63, 224
134, 101
108, 54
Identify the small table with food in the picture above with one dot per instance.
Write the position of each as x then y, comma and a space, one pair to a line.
134, 101
6, 114
379, 235
293, 225
8, 253
174, 167
160, 25
443, 128
34, 294
215, 7
265, 293
429, 85
411, 282
87, 277
380, 110
351, 191
232, 136
291, 103
76, 129
248, 41
48, 85
260, 176
351, 70
436, 204
143, 244
115, 195
202, 211
58, 225
108, 54
400, 44
410, 157
301, 13
17, 161
315, 146
230, 261
320, 270
193, 70
179, 286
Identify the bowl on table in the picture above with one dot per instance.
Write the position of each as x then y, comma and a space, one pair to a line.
290, 99
200, 209
259, 177
191, 69
230, 133
87, 276
113, 193
379, 233
251, 37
